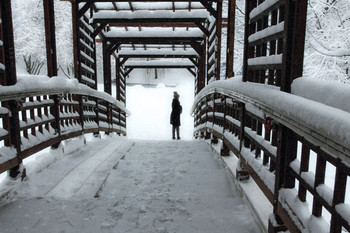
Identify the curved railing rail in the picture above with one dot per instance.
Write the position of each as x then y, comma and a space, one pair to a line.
288, 144
39, 112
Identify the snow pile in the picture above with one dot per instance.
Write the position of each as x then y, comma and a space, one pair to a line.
332, 93
300, 214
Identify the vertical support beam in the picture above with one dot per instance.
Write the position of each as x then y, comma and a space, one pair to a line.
49, 16
201, 49
2, 59
12, 126
338, 196
76, 40
218, 35
286, 153
117, 78
294, 43
51, 54
249, 6
8, 43
106, 68
299, 28
95, 65
287, 47
107, 76
230, 38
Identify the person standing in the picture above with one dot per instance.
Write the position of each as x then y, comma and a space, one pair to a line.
175, 115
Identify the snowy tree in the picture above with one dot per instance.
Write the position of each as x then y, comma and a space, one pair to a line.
29, 34
327, 50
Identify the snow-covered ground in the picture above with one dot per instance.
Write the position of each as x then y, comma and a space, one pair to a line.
118, 185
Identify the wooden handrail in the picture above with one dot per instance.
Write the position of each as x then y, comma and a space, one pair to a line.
39, 129
233, 112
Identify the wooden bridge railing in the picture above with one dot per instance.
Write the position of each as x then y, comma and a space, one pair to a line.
286, 153
52, 112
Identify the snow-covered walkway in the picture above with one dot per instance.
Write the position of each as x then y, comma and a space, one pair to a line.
119, 185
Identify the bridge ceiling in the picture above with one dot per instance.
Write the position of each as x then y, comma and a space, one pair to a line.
150, 29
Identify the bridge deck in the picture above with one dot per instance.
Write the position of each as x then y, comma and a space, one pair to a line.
128, 186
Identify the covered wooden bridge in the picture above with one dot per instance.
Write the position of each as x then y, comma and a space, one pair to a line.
255, 117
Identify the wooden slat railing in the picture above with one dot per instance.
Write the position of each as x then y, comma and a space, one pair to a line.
37, 125
252, 127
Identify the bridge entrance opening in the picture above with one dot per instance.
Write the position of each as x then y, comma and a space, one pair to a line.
150, 99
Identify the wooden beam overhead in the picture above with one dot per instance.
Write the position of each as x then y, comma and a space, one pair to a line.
154, 40
80, 1
131, 7
99, 29
141, 21
83, 10
154, 24
191, 57
115, 6
210, 8
165, 66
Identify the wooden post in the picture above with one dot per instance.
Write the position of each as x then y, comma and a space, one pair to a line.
12, 126
117, 78
76, 41
241, 173
107, 76
338, 196
247, 32
106, 68
218, 35
230, 38
300, 12
49, 16
286, 153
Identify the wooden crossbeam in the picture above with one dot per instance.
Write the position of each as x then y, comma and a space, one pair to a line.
165, 66
141, 20
154, 40
79, 1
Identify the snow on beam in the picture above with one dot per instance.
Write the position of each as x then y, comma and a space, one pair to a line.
159, 64
122, 6
154, 16
154, 32
159, 52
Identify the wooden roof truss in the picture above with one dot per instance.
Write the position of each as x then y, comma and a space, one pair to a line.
132, 30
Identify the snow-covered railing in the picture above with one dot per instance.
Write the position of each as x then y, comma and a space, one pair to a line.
296, 149
49, 110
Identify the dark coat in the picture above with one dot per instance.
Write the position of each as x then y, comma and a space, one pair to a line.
175, 113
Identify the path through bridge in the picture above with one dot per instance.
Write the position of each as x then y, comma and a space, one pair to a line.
119, 185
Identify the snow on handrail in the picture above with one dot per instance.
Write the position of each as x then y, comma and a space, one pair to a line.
322, 124
28, 86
